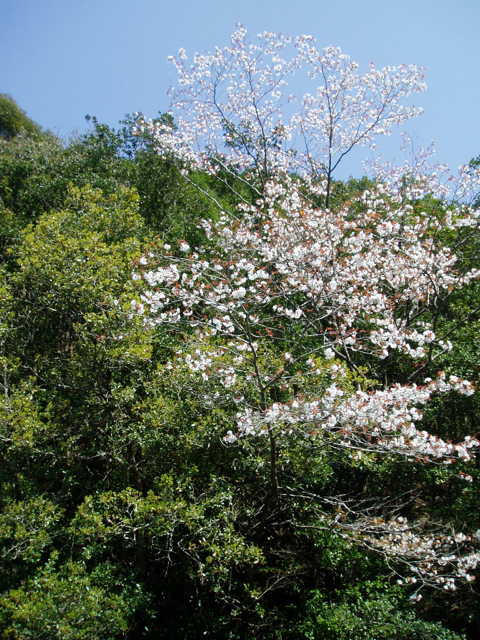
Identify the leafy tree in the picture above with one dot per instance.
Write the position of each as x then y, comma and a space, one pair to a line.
368, 612
67, 602
73, 267
37, 174
13, 120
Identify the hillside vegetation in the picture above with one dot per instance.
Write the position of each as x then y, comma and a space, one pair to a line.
238, 394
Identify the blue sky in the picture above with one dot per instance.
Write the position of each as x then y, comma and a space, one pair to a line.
62, 59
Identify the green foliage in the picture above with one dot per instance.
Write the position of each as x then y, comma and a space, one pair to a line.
370, 611
36, 175
74, 263
68, 602
68, 299
26, 529
14, 120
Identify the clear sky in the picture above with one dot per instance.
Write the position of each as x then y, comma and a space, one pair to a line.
62, 59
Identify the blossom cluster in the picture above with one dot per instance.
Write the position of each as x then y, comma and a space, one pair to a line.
229, 108
379, 421
437, 559
347, 281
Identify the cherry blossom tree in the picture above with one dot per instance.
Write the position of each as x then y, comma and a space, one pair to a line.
295, 306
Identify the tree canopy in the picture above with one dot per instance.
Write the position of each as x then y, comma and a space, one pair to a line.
13, 119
